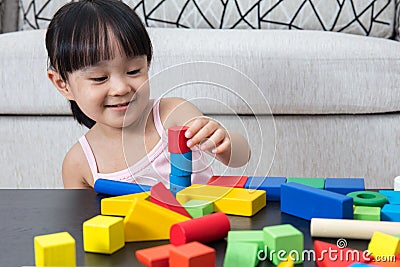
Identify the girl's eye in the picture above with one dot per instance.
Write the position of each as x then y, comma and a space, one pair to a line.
133, 72
99, 79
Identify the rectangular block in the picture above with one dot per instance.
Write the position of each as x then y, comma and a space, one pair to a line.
235, 201
382, 245
344, 185
247, 236
120, 205
313, 182
241, 254
367, 213
118, 188
154, 256
229, 181
272, 185
391, 213
308, 202
393, 197
193, 254
56, 249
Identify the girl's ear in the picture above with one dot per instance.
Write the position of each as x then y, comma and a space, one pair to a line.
60, 84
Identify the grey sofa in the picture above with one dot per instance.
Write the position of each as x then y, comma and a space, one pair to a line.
311, 103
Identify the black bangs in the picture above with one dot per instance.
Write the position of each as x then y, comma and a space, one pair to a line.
84, 33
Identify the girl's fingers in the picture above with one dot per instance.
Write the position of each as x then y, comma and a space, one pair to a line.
224, 146
205, 132
195, 126
216, 138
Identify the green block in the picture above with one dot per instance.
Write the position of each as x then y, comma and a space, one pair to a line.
283, 238
241, 254
247, 236
367, 213
313, 182
398, 236
198, 208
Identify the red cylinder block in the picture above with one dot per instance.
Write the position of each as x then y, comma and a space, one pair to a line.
203, 229
177, 142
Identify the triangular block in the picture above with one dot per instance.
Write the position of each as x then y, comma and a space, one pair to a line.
344, 256
120, 205
161, 196
148, 221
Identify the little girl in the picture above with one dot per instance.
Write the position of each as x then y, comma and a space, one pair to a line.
99, 55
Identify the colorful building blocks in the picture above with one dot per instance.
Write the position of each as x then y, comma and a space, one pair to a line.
272, 185
390, 212
368, 198
161, 196
148, 221
103, 234
334, 228
120, 205
247, 236
228, 181
199, 208
117, 188
286, 238
383, 245
235, 201
241, 254
177, 142
203, 229
181, 164
393, 197
313, 182
193, 254
344, 185
155, 256
178, 183
56, 249
330, 255
367, 213
319, 203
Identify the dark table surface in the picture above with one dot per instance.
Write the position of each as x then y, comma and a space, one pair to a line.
27, 213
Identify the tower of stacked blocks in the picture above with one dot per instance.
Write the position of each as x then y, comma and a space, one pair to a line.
180, 159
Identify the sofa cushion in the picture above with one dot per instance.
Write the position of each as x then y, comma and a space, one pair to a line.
298, 72
367, 17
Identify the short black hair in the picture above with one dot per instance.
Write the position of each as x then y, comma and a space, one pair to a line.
79, 35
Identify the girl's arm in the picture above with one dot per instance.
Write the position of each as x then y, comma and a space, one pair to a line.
229, 147
72, 170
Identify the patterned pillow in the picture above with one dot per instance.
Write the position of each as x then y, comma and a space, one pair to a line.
366, 17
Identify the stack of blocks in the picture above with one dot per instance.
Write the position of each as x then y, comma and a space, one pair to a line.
180, 159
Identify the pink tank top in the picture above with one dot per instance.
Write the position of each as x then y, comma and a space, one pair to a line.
155, 167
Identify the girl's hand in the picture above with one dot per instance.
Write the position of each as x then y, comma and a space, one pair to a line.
209, 134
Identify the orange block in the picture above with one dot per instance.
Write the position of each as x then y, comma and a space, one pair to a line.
228, 181
390, 261
193, 254
155, 256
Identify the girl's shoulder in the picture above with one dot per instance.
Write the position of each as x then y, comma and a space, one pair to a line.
177, 111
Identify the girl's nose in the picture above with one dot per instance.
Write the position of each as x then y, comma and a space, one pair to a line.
120, 87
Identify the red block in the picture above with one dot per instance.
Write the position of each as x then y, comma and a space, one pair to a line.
330, 255
177, 142
204, 229
193, 254
228, 181
390, 262
155, 256
161, 196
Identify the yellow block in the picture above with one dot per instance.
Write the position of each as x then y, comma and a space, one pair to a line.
288, 262
120, 205
383, 245
148, 221
56, 249
235, 201
103, 234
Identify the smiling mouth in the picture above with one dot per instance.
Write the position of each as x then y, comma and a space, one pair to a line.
118, 105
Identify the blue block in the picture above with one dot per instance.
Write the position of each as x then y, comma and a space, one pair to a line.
391, 213
361, 265
181, 164
344, 185
308, 202
116, 188
177, 183
392, 196
272, 185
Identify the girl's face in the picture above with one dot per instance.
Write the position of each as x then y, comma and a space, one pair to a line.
104, 91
